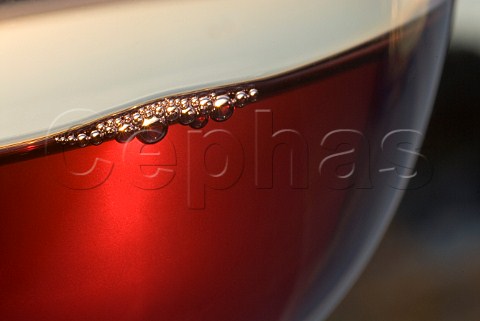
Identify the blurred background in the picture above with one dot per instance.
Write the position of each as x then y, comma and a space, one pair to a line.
428, 265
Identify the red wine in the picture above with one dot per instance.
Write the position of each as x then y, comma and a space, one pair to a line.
266, 216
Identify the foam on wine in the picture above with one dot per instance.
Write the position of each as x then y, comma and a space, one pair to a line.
68, 65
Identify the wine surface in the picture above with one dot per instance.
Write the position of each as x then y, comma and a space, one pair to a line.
266, 216
64, 62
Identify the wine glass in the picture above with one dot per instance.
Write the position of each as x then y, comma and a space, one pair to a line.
206, 160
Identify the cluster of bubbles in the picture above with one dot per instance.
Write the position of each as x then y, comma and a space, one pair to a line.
149, 123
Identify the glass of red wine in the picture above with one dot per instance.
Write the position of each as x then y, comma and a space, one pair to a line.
206, 160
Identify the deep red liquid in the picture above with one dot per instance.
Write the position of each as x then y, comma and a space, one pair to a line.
188, 244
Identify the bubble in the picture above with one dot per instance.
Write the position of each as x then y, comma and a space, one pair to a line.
125, 133
253, 93
241, 98
204, 106
71, 139
95, 137
199, 122
188, 115
172, 113
82, 140
137, 119
222, 108
153, 133
110, 132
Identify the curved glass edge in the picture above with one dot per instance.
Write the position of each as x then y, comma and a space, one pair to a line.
368, 230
